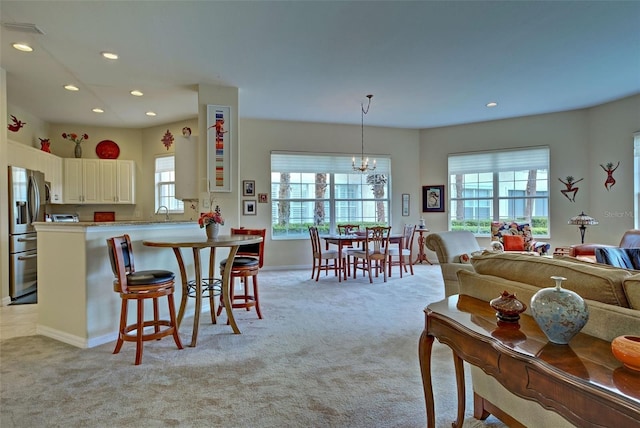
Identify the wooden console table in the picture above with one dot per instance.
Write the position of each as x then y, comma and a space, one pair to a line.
581, 381
422, 256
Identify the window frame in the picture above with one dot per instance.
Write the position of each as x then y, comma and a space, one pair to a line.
178, 206
498, 171
332, 165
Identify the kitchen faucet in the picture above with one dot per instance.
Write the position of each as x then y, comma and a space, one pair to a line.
166, 212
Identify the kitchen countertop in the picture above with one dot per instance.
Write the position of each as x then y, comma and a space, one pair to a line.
116, 223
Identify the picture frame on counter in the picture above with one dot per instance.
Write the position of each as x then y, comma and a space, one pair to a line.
219, 148
249, 207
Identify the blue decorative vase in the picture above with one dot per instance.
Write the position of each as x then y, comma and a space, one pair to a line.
560, 313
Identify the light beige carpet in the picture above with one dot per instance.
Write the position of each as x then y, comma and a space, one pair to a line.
326, 354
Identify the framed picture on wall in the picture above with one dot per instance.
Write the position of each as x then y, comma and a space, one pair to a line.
405, 204
219, 148
263, 198
433, 199
249, 207
248, 188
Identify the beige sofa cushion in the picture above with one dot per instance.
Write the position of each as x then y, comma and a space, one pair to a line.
590, 281
631, 288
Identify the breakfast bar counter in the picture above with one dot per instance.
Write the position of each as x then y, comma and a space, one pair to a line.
76, 301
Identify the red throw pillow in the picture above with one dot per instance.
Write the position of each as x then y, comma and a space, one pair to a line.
513, 242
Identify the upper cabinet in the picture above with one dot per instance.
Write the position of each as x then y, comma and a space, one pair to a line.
186, 161
117, 181
38, 160
97, 181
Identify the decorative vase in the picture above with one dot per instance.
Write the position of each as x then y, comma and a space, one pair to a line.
508, 307
212, 230
78, 151
560, 313
626, 349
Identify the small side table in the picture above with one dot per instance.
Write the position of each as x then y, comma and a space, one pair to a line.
422, 256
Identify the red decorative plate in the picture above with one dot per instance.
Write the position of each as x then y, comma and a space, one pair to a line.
107, 149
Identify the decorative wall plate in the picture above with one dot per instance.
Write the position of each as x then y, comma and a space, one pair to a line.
107, 149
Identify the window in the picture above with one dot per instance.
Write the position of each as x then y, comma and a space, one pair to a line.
505, 185
636, 174
323, 189
165, 184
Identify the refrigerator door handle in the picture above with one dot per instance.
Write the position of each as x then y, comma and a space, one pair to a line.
32, 256
27, 239
33, 200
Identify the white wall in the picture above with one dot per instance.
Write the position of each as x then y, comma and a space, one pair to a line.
259, 137
579, 141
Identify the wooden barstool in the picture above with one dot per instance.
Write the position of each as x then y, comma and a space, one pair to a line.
246, 264
139, 286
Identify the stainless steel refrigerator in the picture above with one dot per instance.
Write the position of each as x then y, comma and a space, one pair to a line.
27, 199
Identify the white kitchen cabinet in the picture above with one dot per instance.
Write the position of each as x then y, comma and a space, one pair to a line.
81, 178
117, 181
99, 181
31, 158
186, 164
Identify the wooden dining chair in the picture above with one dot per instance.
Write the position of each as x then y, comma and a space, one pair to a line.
404, 254
321, 259
246, 264
376, 251
140, 286
348, 246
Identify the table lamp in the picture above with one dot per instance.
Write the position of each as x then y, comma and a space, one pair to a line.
582, 221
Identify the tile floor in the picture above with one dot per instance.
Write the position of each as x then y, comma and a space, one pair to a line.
18, 320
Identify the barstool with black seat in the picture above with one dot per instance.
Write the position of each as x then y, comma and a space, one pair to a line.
246, 264
139, 286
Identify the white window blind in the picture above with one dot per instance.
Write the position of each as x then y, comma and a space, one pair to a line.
502, 160
318, 163
165, 164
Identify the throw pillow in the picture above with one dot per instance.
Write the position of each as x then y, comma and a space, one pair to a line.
513, 242
617, 257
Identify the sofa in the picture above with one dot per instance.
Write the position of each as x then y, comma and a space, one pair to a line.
586, 252
517, 237
454, 250
612, 295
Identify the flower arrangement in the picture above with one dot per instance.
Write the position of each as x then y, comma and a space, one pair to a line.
75, 137
214, 217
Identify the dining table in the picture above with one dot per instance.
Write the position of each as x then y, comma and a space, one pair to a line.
233, 242
348, 239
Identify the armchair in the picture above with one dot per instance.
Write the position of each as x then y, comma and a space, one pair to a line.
453, 250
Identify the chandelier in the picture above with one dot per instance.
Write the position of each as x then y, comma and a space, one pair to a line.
364, 163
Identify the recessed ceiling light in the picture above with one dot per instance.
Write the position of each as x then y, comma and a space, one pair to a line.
97, 110
150, 113
136, 93
109, 55
71, 88
23, 47
492, 104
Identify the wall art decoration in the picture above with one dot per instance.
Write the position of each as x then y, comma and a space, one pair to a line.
248, 188
433, 199
186, 131
571, 190
263, 198
609, 169
249, 207
45, 145
219, 148
16, 125
167, 139
405, 204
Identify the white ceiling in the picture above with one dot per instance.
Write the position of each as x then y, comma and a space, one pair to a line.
427, 63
